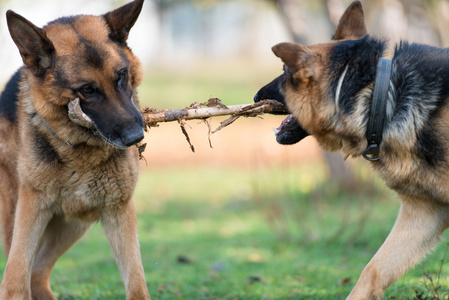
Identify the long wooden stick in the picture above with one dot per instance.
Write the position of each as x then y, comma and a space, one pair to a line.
213, 108
203, 111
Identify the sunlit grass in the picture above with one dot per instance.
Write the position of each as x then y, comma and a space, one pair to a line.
235, 251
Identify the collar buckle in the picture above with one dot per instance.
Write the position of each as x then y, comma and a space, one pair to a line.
371, 153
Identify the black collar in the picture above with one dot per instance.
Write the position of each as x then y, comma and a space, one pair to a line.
376, 119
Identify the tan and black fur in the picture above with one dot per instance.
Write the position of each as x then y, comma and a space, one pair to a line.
58, 177
328, 89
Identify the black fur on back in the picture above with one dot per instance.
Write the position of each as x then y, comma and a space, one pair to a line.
9, 98
421, 79
420, 88
361, 57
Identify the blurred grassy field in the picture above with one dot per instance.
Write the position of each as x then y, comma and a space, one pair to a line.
226, 242
241, 231
178, 86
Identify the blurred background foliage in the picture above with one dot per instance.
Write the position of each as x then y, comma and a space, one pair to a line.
264, 219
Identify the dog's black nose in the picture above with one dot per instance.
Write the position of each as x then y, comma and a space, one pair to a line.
271, 91
133, 137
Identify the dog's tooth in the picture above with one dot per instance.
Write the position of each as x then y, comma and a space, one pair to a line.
86, 117
77, 115
276, 131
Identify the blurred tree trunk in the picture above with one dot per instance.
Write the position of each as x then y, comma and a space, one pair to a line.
294, 12
334, 10
435, 14
294, 15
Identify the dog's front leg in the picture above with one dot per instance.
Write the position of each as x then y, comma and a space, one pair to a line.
417, 229
120, 227
29, 225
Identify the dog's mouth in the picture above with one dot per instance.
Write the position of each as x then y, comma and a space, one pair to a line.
79, 117
290, 132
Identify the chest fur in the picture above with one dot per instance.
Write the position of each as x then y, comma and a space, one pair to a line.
81, 183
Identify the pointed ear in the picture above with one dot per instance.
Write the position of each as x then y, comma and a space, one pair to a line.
35, 47
293, 55
122, 20
352, 23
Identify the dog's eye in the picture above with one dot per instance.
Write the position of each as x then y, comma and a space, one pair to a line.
87, 90
122, 75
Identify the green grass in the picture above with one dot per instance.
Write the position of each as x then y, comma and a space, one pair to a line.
313, 247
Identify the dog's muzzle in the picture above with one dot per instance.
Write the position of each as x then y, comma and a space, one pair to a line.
290, 132
77, 116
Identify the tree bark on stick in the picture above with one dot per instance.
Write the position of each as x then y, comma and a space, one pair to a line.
203, 111
213, 108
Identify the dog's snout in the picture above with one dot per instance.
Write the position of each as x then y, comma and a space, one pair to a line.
271, 91
262, 95
133, 137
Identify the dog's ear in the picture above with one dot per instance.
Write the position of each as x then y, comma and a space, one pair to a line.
294, 56
352, 23
122, 20
35, 47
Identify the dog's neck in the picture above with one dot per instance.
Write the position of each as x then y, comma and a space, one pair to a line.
378, 109
48, 127
340, 83
39, 122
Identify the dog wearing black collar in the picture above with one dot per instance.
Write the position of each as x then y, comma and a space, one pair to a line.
393, 112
